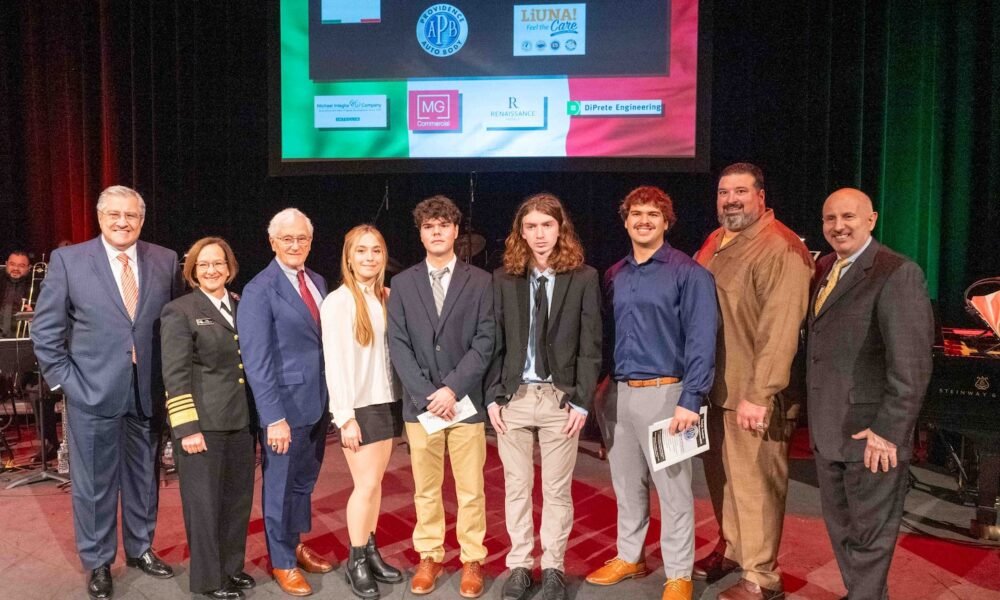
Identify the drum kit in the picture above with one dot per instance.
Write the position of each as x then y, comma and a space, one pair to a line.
21, 382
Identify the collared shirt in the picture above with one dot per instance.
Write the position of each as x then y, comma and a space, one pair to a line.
446, 278
219, 303
293, 278
850, 259
529, 375
665, 319
762, 279
116, 265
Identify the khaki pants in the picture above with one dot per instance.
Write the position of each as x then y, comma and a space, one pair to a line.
466, 448
535, 407
747, 475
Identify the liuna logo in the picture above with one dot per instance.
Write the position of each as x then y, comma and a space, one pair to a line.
442, 30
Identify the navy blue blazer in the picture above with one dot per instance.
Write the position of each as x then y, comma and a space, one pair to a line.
454, 350
282, 349
83, 335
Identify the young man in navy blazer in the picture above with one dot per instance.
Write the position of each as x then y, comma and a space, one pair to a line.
282, 351
441, 334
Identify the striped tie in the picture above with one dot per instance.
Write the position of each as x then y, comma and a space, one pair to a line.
130, 291
831, 282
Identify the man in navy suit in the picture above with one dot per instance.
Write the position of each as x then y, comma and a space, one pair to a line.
96, 333
282, 353
441, 333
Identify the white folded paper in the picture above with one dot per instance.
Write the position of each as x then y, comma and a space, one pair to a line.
666, 449
433, 423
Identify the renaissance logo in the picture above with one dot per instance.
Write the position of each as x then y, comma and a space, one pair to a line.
524, 111
552, 29
434, 110
442, 30
350, 112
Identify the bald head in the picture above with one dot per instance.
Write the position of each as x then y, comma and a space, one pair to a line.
848, 220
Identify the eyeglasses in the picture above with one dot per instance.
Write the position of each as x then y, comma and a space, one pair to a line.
289, 240
130, 217
218, 265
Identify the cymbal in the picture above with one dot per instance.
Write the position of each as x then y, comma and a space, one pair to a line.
393, 266
469, 244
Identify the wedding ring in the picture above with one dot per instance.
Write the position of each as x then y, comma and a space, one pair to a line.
274, 446
759, 426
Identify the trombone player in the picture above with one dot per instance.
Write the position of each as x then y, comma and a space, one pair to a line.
15, 288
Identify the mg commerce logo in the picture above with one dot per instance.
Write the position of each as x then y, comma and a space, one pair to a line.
442, 30
434, 110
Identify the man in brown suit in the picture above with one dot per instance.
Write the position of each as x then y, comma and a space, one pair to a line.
762, 272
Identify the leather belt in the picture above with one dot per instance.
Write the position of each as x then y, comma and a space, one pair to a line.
653, 382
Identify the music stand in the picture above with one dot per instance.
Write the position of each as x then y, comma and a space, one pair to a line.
18, 356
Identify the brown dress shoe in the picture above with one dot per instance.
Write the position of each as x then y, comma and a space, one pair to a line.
748, 590
310, 561
678, 589
425, 578
616, 570
472, 580
713, 567
292, 582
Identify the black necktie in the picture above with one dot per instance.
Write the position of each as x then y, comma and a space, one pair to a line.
541, 329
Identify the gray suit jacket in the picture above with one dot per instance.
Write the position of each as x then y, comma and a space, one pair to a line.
428, 351
574, 334
868, 354
84, 337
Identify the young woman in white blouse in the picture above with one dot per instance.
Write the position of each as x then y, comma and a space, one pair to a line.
362, 401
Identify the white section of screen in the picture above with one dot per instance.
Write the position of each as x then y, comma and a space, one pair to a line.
350, 11
480, 97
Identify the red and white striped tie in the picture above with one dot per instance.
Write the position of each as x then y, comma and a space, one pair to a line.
130, 291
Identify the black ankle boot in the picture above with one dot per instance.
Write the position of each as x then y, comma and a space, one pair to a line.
359, 576
381, 570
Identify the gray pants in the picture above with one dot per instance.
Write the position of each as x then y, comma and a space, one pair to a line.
628, 415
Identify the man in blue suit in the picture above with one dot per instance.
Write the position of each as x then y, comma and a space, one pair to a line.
96, 333
282, 353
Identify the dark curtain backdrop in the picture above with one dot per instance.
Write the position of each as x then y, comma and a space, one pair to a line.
169, 96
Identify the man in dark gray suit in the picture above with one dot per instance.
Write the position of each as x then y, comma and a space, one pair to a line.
441, 333
869, 361
96, 334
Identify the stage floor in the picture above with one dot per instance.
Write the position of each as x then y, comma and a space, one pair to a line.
935, 557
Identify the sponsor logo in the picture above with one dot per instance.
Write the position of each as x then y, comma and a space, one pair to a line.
526, 46
614, 108
982, 383
518, 112
562, 28
434, 110
350, 112
442, 30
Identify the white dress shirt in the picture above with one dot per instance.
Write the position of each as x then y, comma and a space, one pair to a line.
116, 265
356, 375
219, 303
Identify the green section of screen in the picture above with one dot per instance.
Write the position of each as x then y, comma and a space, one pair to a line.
299, 137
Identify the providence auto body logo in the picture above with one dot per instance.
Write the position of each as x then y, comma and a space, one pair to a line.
442, 30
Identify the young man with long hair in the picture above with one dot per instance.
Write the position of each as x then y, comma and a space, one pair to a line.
542, 379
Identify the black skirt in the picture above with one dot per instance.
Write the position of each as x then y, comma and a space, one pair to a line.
380, 421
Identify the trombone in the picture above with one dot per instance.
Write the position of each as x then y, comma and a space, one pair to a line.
38, 272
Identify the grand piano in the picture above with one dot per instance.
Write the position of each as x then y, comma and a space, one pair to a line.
964, 398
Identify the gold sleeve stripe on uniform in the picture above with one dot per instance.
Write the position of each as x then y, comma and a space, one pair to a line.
178, 399
180, 417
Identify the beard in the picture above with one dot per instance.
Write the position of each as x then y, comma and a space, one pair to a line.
737, 221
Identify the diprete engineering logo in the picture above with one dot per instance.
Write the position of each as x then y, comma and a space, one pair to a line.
434, 110
442, 30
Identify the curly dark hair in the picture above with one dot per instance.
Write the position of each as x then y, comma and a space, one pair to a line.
436, 207
648, 194
568, 252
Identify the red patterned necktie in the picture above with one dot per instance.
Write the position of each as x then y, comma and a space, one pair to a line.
130, 291
307, 296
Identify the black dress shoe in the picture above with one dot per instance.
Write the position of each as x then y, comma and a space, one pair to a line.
553, 584
242, 581
359, 575
517, 585
381, 570
151, 565
99, 585
225, 594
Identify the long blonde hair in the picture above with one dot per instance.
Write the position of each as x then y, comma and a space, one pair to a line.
363, 331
